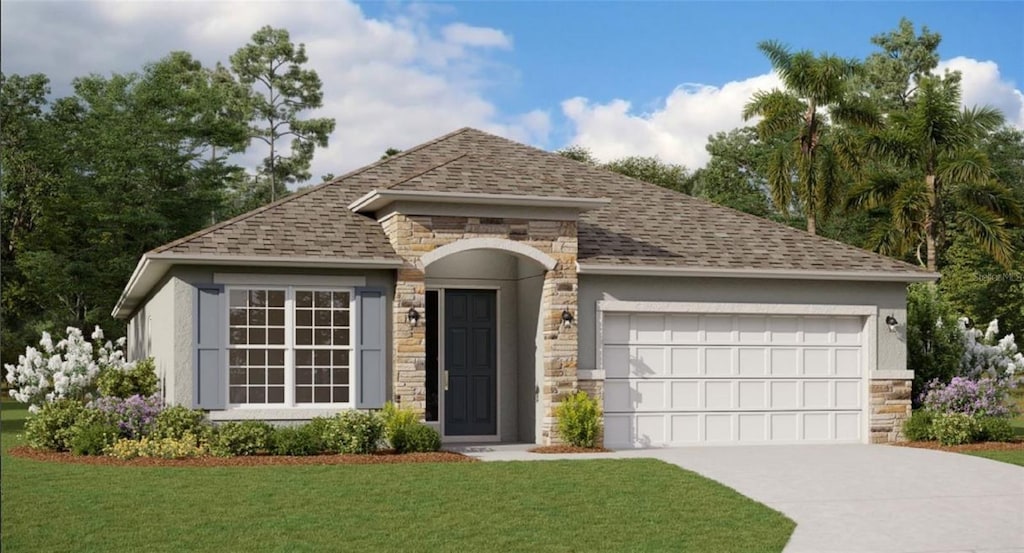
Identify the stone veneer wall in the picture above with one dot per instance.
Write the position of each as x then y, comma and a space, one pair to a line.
414, 235
890, 408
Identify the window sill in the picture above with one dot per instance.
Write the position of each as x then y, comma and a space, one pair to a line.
275, 413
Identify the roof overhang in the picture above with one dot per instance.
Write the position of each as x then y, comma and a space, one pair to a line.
376, 200
789, 274
153, 266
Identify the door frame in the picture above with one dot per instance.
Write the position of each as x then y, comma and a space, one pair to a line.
440, 288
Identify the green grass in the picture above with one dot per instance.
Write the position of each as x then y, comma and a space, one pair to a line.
599, 505
1014, 457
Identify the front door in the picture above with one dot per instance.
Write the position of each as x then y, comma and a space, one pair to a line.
471, 363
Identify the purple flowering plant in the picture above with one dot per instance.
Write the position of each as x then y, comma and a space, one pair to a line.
135, 416
985, 397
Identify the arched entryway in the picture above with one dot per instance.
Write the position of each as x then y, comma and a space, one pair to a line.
484, 339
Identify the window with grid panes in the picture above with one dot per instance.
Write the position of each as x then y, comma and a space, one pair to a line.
289, 346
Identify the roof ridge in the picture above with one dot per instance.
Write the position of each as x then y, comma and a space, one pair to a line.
300, 193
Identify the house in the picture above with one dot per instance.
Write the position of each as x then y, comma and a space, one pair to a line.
480, 280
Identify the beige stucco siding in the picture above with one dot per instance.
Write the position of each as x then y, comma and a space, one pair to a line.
889, 298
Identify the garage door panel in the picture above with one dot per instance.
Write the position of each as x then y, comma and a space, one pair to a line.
648, 361
685, 361
752, 427
847, 362
718, 395
752, 394
752, 361
718, 329
783, 361
815, 362
718, 361
690, 379
683, 329
685, 395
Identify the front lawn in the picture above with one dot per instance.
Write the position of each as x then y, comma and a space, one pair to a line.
599, 505
1014, 457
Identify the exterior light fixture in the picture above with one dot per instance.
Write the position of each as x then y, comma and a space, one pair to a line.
567, 318
892, 322
968, 323
413, 316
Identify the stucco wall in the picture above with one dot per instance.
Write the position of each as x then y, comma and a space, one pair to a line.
151, 334
890, 298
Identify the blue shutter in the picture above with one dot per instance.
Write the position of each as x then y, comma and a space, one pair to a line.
371, 348
209, 377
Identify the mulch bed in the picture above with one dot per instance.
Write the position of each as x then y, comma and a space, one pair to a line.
981, 446
568, 449
382, 458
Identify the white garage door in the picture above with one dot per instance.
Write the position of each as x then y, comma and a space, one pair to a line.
690, 379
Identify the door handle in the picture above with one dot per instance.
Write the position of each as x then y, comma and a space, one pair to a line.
446, 380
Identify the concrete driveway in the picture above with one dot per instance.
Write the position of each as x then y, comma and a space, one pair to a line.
861, 498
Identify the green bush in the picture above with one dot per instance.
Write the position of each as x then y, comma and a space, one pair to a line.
994, 429
418, 438
918, 427
94, 437
934, 350
579, 420
139, 380
52, 427
306, 439
356, 432
242, 438
955, 428
177, 421
397, 420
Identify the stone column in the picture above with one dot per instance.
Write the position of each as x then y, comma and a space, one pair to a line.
560, 341
890, 408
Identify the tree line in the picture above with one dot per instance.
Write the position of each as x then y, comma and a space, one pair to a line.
876, 153
128, 162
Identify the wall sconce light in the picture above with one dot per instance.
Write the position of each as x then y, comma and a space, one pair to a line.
968, 323
567, 318
413, 316
892, 322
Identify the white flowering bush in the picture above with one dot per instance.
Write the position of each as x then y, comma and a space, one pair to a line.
67, 369
988, 356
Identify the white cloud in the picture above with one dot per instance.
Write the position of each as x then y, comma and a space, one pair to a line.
388, 82
983, 85
675, 131
460, 33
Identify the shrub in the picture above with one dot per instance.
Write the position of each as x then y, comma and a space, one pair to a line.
987, 355
993, 429
919, 426
163, 448
177, 421
396, 420
982, 398
955, 428
242, 438
935, 344
67, 369
298, 440
418, 438
134, 416
93, 437
128, 380
51, 427
357, 432
579, 420
320, 427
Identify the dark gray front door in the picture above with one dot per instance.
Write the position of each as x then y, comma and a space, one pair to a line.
471, 362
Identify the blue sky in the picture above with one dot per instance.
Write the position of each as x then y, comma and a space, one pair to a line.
622, 78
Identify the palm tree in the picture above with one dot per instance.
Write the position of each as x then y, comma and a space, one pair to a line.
930, 156
804, 143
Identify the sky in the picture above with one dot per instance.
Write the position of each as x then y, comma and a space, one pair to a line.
620, 78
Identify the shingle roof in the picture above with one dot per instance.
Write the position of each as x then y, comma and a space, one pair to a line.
644, 225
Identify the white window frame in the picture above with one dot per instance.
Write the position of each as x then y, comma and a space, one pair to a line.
290, 347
